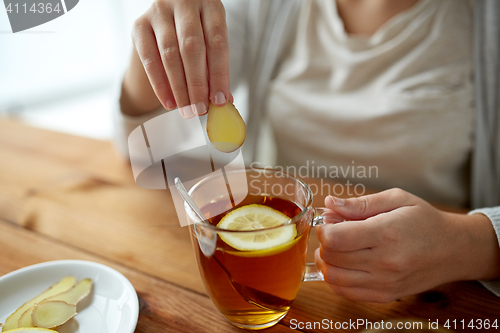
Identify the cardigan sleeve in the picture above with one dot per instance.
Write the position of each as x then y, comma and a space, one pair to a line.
494, 215
237, 13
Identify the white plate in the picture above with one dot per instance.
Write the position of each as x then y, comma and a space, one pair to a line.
112, 307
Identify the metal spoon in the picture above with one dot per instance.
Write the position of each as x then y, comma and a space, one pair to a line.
185, 195
206, 240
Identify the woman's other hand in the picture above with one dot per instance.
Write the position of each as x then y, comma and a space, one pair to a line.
181, 48
393, 244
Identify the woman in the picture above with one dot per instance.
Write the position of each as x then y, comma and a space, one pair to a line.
384, 82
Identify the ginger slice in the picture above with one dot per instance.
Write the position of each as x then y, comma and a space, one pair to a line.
30, 330
52, 314
225, 127
75, 294
72, 296
25, 320
62, 286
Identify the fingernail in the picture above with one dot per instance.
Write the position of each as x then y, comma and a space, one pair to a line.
170, 104
219, 98
187, 111
337, 201
201, 108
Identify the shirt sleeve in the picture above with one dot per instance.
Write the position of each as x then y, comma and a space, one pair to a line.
494, 215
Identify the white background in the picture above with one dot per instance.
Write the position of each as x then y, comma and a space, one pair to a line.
59, 75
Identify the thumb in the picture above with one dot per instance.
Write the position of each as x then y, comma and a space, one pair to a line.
366, 206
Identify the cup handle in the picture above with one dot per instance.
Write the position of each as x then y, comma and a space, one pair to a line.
321, 214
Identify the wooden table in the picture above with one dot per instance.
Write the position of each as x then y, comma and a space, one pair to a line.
68, 197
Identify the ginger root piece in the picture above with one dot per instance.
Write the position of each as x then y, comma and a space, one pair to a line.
25, 320
31, 330
72, 297
75, 294
225, 127
52, 314
62, 286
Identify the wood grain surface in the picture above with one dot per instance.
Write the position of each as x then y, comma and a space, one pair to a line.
68, 197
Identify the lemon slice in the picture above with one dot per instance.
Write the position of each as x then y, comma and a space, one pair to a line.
254, 218
265, 252
30, 330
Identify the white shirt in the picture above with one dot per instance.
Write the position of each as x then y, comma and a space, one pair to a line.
400, 100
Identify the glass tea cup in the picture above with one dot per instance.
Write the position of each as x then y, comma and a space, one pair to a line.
253, 289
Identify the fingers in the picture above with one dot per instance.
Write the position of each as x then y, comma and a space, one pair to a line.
164, 28
331, 216
145, 43
370, 205
341, 276
184, 49
216, 39
356, 285
359, 260
192, 49
348, 236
